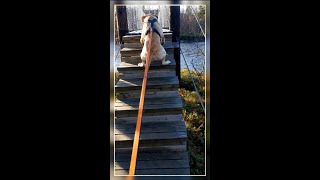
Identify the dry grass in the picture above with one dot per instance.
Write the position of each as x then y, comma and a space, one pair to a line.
194, 118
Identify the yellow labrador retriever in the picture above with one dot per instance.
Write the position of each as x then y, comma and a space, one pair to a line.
157, 50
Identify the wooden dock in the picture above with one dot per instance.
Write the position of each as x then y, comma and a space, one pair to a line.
162, 147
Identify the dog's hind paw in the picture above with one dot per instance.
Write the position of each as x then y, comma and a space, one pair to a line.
166, 62
141, 64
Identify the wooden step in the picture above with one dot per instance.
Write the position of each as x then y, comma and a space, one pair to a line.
136, 51
148, 94
153, 165
153, 149
148, 127
157, 164
152, 139
152, 106
151, 134
136, 38
137, 58
124, 85
139, 45
122, 157
138, 32
176, 171
129, 66
171, 119
157, 167
151, 74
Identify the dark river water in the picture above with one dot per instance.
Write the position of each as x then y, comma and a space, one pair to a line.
194, 54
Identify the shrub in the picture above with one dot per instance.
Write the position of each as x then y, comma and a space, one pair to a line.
194, 118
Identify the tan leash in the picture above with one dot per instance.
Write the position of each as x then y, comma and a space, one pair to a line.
138, 125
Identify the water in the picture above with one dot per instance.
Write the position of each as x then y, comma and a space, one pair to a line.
192, 51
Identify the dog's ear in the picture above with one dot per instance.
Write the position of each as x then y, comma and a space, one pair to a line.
142, 18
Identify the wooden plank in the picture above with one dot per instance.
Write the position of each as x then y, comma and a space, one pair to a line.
153, 149
159, 81
152, 136
138, 32
157, 164
150, 89
125, 52
119, 157
150, 119
167, 87
129, 66
152, 129
153, 142
137, 58
139, 45
151, 125
136, 38
158, 107
150, 112
133, 74
125, 49
176, 171
159, 100
149, 94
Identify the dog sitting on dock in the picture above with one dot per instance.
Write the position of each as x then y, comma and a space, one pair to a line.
157, 50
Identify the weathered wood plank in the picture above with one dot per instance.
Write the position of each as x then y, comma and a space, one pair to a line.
177, 171
128, 66
159, 100
150, 89
137, 58
170, 110
153, 129
125, 52
134, 44
150, 119
153, 142
157, 107
133, 74
159, 81
148, 124
136, 38
120, 157
152, 136
148, 94
157, 164
153, 149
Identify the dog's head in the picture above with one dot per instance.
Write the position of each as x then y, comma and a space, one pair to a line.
148, 18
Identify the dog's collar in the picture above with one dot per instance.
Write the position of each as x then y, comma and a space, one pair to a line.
152, 22
152, 26
153, 29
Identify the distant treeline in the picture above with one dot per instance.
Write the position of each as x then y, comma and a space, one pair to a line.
189, 27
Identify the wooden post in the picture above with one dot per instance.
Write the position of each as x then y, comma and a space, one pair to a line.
175, 28
122, 22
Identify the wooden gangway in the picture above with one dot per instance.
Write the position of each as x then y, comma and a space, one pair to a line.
163, 138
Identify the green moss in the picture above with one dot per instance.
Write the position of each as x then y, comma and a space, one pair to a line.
194, 117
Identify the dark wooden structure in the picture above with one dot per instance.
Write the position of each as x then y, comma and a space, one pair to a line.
122, 22
175, 28
163, 138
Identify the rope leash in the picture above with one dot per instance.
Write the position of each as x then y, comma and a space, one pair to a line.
139, 118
